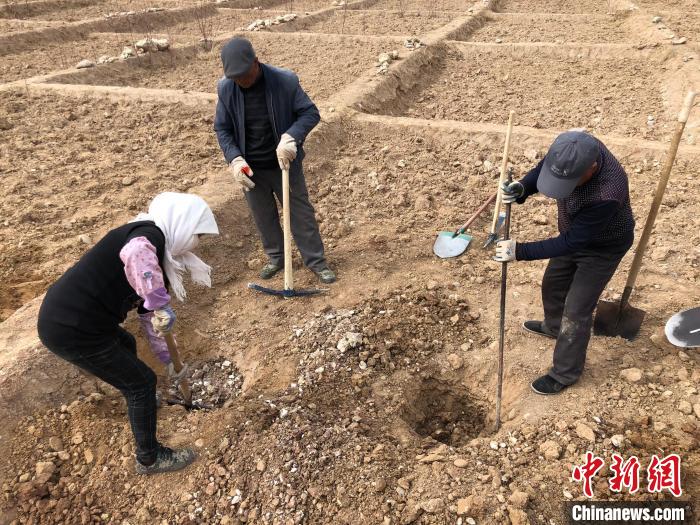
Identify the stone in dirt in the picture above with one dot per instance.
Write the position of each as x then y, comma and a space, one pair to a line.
44, 471
550, 449
584, 432
519, 499
461, 463
632, 375
55, 443
617, 440
151, 45
89, 456
696, 409
473, 505
77, 438
679, 41
456, 362
128, 181
127, 52
518, 516
433, 506
84, 64
685, 407
349, 341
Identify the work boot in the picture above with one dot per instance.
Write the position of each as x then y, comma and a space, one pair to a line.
326, 276
537, 327
547, 386
167, 460
269, 271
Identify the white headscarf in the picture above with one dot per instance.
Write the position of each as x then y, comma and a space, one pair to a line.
181, 217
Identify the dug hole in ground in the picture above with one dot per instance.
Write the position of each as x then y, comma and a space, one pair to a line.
373, 403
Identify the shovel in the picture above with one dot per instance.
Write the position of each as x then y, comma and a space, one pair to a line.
495, 223
621, 319
288, 290
183, 384
452, 244
683, 329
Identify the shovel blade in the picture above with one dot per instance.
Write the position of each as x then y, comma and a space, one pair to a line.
285, 293
447, 245
613, 321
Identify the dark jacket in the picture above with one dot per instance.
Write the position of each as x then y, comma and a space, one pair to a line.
597, 216
290, 109
88, 302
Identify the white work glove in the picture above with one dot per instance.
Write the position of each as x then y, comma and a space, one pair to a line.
511, 192
176, 377
163, 319
505, 251
242, 173
286, 151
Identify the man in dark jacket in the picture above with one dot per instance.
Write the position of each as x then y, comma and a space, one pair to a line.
596, 229
262, 119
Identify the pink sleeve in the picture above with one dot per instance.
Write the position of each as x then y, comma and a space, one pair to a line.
144, 273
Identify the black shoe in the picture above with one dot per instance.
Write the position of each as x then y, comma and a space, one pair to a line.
167, 460
536, 327
547, 386
269, 271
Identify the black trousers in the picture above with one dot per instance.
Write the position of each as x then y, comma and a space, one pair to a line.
261, 201
116, 363
571, 287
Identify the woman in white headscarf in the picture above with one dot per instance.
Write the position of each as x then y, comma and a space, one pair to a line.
133, 266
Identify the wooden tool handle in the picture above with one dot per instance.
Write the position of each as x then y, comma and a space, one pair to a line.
287, 230
478, 212
177, 365
502, 178
658, 197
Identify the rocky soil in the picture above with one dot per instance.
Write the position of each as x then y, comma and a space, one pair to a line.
374, 401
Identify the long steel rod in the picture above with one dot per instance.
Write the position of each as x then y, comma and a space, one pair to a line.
501, 328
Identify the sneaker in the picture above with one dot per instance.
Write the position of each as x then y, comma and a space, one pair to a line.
326, 276
167, 460
269, 271
536, 327
547, 386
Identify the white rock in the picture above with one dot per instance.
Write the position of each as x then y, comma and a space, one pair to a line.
84, 64
656, 20
349, 341
679, 41
617, 440
384, 58
127, 52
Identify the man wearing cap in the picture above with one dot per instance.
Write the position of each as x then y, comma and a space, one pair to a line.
262, 118
596, 228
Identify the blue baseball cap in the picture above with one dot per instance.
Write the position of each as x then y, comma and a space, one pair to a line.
237, 56
569, 158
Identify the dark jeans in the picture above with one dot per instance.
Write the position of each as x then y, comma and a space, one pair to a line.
116, 363
571, 287
261, 201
